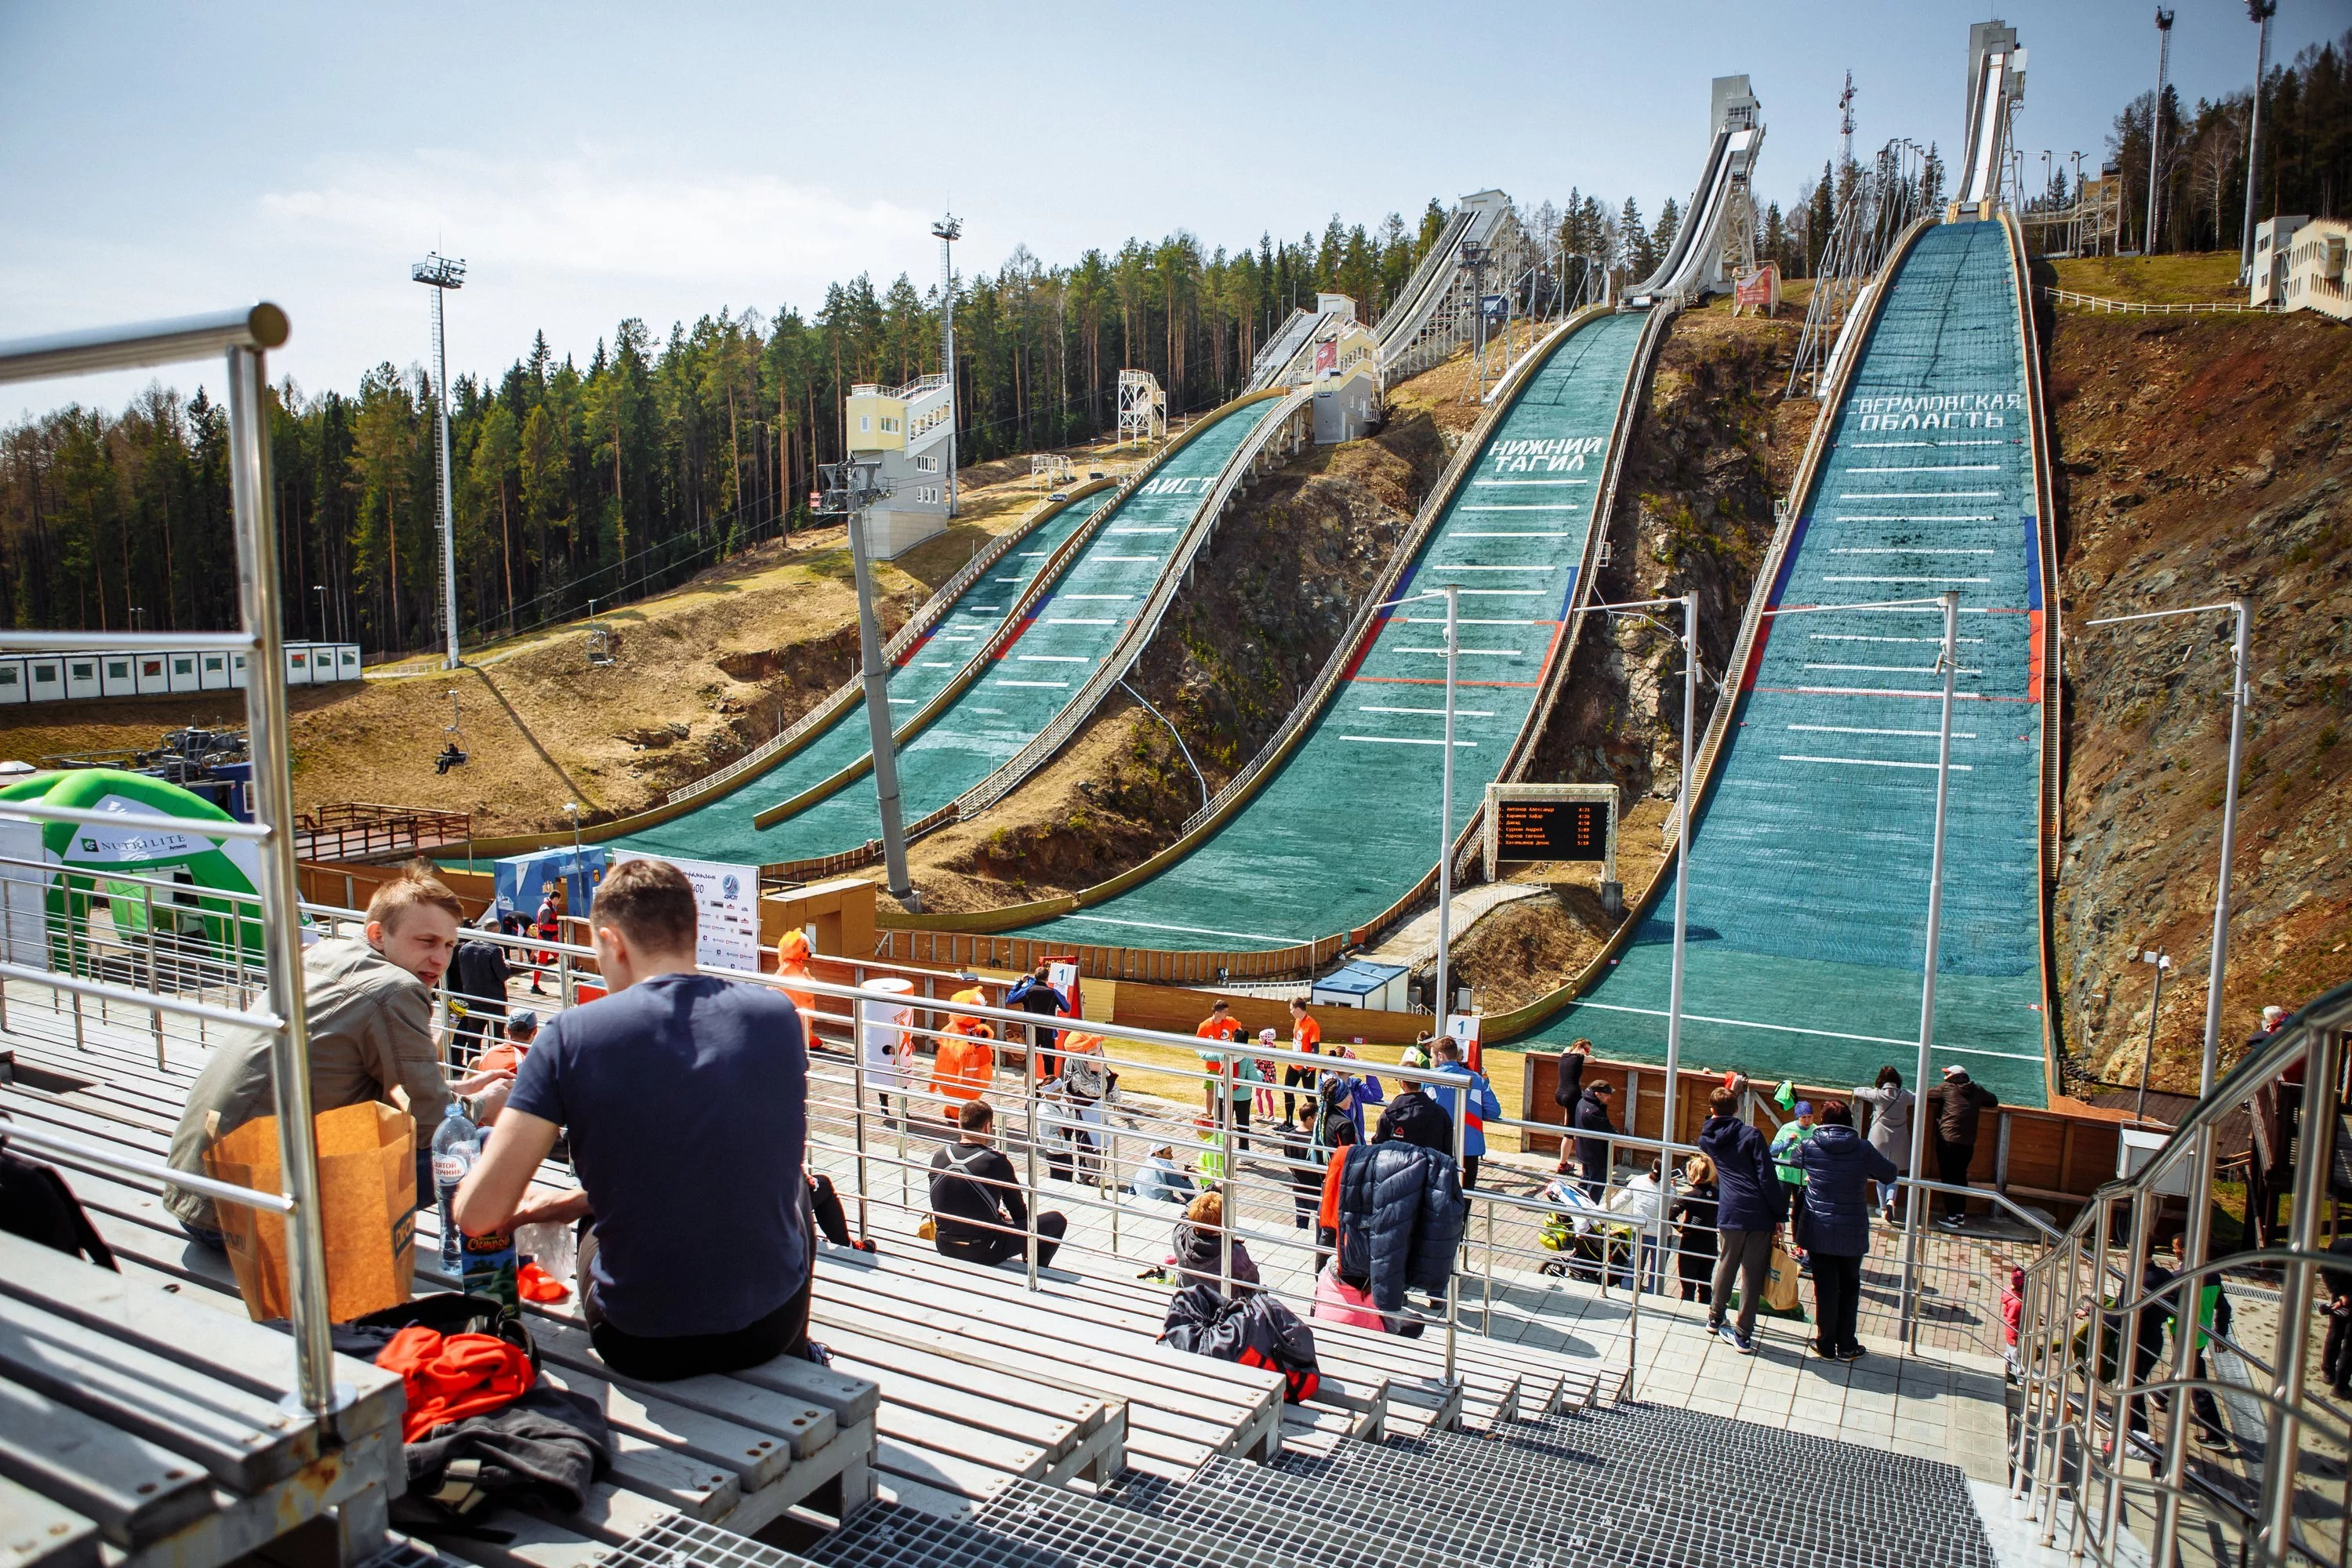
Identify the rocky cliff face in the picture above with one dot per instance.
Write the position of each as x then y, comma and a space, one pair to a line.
2200, 459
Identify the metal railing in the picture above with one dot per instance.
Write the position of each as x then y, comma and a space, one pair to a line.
244, 338
2085, 1452
2137, 308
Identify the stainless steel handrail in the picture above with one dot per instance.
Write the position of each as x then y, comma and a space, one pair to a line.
255, 328
243, 337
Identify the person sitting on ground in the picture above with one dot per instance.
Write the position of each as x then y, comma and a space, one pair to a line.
831, 1219
1593, 1149
686, 1102
368, 1009
1414, 1116
966, 1061
1161, 1179
1477, 1102
976, 1200
1835, 1223
1199, 1248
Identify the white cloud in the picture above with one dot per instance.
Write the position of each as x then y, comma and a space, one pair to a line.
590, 216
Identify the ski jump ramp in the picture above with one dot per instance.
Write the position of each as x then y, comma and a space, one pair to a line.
1809, 868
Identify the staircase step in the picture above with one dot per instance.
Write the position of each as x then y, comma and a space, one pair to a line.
1708, 1479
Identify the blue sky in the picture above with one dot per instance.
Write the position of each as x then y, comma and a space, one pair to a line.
594, 161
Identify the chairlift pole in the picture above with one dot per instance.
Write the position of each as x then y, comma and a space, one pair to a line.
1915, 1211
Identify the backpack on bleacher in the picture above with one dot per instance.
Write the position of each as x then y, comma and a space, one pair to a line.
35, 1204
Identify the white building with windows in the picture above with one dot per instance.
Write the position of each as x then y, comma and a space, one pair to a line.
907, 427
2315, 269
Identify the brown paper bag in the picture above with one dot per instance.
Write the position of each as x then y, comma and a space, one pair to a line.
367, 1191
1780, 1289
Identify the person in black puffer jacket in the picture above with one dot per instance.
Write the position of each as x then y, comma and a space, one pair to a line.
1401, 1216
1749, 1201
1413, 1117
1835, 1224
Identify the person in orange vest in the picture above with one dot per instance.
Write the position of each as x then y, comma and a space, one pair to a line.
1306, 1034
793, 970
966, 1062
1220, 1024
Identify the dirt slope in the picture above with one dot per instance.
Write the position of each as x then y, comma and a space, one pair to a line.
704, 673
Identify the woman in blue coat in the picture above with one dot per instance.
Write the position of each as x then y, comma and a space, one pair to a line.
1833, 1224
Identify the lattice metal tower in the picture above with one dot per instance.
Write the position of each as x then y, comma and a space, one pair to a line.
1845, 122
2156, 121
1143, 407
949, 229
442, 273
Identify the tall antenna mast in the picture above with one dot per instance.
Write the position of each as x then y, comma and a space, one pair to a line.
442, 273
2156, 121
1845, 119
949, 229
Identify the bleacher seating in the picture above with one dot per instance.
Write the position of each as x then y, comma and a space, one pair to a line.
990, 1423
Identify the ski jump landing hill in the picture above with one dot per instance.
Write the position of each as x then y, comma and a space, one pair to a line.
1329, 836
1809, 868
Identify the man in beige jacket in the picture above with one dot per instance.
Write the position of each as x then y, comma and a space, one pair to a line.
369, 1005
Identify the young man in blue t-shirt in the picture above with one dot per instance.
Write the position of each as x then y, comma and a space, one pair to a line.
687, 1102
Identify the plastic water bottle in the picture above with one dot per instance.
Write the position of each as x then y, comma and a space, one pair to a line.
457, 1144
485, 1263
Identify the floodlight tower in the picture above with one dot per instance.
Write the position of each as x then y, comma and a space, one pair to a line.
2258, 12
2156, 121
442, 273
949, 229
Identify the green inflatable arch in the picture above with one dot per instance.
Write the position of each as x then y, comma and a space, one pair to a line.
190, 856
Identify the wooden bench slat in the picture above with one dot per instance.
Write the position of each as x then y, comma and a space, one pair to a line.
242, 1354
134, 1492
242, 1441
37, 1532
754, 1457
807, 1427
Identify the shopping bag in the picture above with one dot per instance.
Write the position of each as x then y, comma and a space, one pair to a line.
1780, 1288
367, 1201
1338, 1301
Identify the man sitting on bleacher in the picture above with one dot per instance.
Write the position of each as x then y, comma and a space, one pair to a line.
687, 1102
369, 1007
976, 1201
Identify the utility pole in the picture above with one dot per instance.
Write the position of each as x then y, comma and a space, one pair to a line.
2259, 12
849, 489
949, 229
2156, 121
441, 273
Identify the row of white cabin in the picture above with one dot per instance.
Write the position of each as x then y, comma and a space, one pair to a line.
72, 677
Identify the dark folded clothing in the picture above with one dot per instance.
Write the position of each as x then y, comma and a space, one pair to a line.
546, 1449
